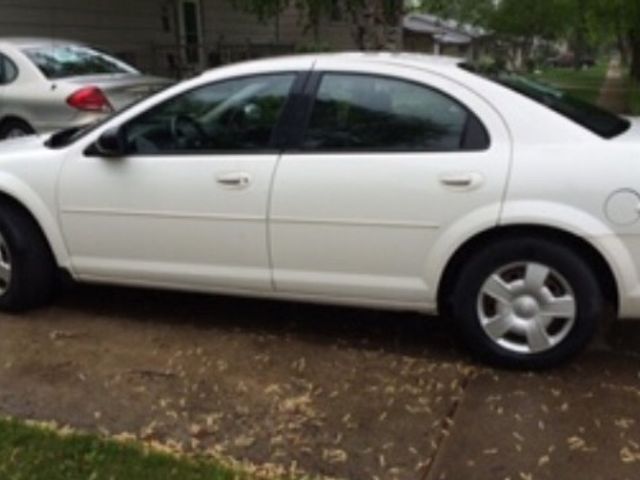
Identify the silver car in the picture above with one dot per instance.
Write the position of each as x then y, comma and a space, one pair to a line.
48, 85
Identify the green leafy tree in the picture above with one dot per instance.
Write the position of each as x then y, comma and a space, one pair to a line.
530, 19
375, 24
620, 19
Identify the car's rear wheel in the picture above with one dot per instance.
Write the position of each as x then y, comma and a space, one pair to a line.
27, 269
527, 303
14, 129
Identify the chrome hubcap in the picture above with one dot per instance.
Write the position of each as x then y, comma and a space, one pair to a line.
5, 266
527, 307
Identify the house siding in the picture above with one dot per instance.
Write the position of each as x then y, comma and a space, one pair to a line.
134, 29
126, 27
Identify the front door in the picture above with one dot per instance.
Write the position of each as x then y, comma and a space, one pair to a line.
387, 169
187, 207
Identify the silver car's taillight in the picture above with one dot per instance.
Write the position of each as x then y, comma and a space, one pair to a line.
90, 99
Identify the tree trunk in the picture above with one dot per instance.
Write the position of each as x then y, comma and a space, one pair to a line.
528, 46
634, 50
395, 25
360, 29
580, 40
376, 25
621, 43
635, 60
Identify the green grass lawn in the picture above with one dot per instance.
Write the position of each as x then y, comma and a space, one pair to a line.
31, 453
585, 84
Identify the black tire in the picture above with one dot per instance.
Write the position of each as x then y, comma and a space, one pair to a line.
14, 125
589, 299
32, 275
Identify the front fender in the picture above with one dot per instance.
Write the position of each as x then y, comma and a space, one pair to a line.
23, 194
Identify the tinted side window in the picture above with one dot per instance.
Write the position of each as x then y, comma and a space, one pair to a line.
362, 112
234, 115
8, 70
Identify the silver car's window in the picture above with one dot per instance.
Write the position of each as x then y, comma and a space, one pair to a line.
8, 70
64, 61
355, 112
237, 115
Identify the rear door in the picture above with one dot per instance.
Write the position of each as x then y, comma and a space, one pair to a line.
390, 165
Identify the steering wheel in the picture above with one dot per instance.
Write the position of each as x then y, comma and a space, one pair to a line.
185, 129
232, 119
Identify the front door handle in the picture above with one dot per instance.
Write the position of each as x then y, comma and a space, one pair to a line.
462, 181
234, 180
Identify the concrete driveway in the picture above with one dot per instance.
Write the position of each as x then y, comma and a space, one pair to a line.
325, 391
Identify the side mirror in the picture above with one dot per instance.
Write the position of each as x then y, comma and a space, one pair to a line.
110, 144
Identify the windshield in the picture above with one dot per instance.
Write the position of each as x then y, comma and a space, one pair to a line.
591, 117
63, 61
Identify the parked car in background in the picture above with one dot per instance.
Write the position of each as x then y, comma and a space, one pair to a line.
380, 180
48, 85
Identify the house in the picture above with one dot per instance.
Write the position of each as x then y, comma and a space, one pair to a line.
432, 34
170, 37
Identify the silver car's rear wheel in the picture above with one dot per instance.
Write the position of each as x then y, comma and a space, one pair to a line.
527, 307
14, 129
16, 133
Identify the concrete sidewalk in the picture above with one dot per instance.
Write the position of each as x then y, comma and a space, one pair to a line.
580, 422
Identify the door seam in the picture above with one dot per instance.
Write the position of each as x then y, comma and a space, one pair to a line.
268, 232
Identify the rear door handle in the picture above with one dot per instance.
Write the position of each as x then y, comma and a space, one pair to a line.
462, 181
234, 180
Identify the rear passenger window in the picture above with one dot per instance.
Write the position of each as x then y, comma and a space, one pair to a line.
8, 70
363, 112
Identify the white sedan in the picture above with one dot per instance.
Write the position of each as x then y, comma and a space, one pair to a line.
379, 180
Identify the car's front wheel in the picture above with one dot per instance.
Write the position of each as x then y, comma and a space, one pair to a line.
27, 269
527, 303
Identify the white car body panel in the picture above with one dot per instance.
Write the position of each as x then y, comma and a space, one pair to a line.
322, 228
584, 177
31, 180
202, 234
